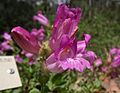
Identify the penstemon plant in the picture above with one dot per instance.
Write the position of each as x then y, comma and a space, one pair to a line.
55, 62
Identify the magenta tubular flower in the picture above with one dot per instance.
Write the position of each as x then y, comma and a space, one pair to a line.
66, 19
98, 62
115, 51
72, 55
52, 64
66, 22
6, 46
89, 55
87, 38
39, 34
115, 55
67, 29
41, 19
64, 12
31, 57
28, 55
67, 58
81, 45
25, 40
68, 53
7, 37
19, 59
116, 61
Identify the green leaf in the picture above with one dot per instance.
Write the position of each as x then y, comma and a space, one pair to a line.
34, 90
97, 83
17, 90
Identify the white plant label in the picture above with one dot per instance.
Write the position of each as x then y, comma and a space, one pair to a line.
9, 76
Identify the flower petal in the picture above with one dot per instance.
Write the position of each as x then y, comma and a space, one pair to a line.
25, 40
41, 19
52, 64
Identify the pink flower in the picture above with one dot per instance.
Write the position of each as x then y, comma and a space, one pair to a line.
68, 53
7, 37
91, 56
68, 57
98, 62
39, 34
66, 22
115, 51
105, 69
25, 40
18, 58
31, 57
87, 38
115, 55
64, 12
116, 61
71, 54
66, 30
81, 45
41, 19
52, 65
6, 46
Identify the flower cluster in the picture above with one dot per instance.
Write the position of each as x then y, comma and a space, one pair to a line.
111, 67
67, 53
30, 42
41, 19
115, 55
6, 44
